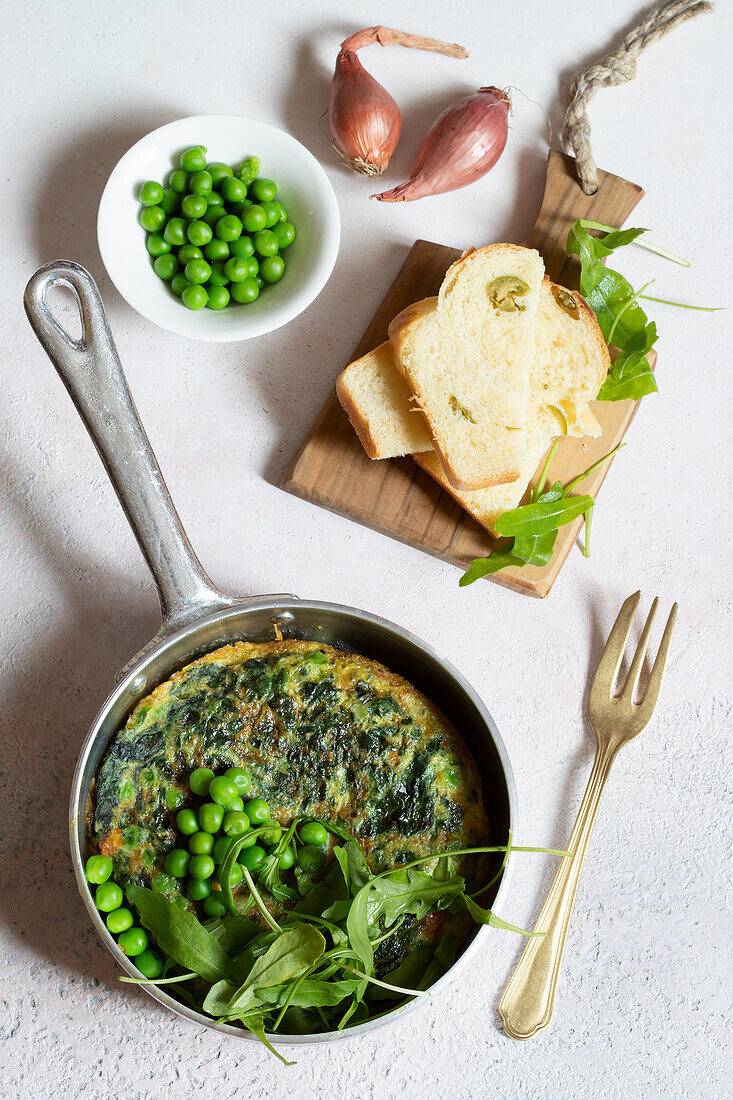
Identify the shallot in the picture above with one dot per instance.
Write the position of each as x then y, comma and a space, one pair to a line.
463, 144
364, 120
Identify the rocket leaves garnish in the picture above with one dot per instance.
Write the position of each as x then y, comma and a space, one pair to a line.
266, 976
620, 317
534, 526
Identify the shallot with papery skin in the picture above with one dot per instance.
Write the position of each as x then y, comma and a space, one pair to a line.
463, 144
364, 121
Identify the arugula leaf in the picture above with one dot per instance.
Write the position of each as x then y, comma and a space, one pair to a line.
255, 1022
621, 318
535, 549
293, 951
180, 935
485, 916
542, 518
484, 567
310, 993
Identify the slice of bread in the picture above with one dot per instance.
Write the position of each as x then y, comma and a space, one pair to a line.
570, 362
466, 358
378, 403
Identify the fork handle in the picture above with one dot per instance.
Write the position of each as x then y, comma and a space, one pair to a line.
527, 1003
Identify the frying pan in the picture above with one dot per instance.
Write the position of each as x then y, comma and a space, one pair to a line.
197, 617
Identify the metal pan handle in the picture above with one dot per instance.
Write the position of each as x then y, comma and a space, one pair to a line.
91, 371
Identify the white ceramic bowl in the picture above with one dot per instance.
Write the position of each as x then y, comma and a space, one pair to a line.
303, 187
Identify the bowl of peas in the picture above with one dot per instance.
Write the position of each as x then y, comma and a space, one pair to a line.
218, 227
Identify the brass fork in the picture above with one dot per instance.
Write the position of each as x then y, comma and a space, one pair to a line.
528, 1000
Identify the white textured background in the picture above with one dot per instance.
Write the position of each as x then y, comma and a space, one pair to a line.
645, 996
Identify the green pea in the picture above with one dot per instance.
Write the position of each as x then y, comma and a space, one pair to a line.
175, 231
214, 905
257, 809
233, 190
245, 292
243, 246
199, 780
197, 271
285, 234
252, 858
215, 199
236, 269
218, 297
165, 267
211, 817
283, 211
186, 820
199, 232
311, 859
201, 183
193, 206
98, 869
150, 193
173, 797
272, 269
235, 824
249, 841
119, 920
271, 213
178, 181
313, 832
264, 190
272, 836
194, 297
254, 219
213, 214
198, 889
228, 228
222, 790
219, 172
218, 275
176, 862
201, 866
254, 266
236, 806
170, 202
133, 942
259, 282
287, 859
150, 964
152, 218
216, 250
266, 242
201, 844
221, 847
249, 168
157, 245
193, 159
179, 283
108, 896
240, 778
189, 252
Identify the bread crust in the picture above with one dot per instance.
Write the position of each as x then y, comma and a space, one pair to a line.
358, 420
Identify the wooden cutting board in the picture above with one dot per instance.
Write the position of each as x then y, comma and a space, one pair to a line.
398, 498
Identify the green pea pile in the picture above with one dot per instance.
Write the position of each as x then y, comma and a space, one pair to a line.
216, 237
108, 897
226, 817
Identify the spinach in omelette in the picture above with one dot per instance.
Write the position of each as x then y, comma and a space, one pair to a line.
322, 733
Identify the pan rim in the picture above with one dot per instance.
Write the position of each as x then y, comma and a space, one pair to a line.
131, 686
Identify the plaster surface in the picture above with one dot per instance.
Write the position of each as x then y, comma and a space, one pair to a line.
644, 1000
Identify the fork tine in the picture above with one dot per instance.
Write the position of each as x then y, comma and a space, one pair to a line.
613, 650
636, 665
649, 702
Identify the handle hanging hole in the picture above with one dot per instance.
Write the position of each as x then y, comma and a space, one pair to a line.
63, 308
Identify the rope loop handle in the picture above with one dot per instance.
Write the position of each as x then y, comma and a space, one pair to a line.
617, 67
